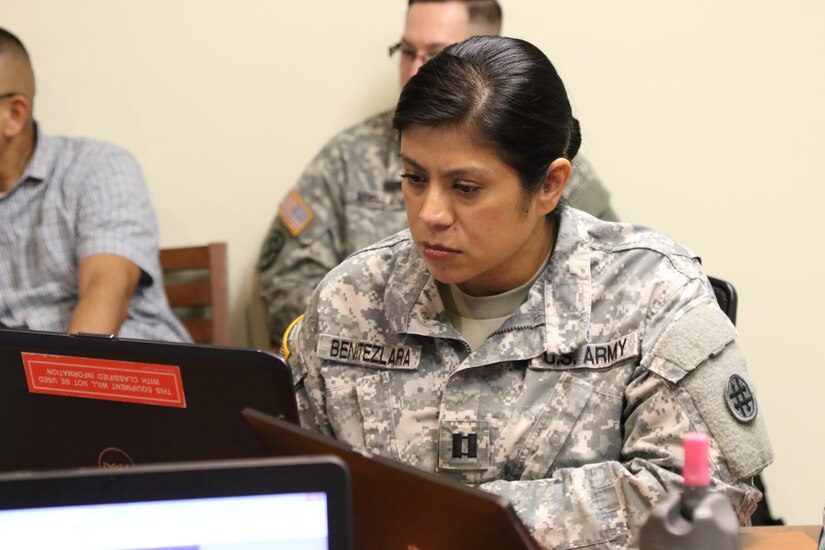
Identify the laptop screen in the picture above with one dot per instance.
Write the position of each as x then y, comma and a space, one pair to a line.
295, 521
295, 504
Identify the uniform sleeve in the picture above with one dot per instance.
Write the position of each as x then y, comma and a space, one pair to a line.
585, 191
306, 240
308, 386
679, 386
115, 214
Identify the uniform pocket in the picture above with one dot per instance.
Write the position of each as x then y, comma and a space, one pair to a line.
372, 217
377, 406
373, 201
555, 421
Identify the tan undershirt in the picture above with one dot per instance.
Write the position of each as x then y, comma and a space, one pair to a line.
476, 317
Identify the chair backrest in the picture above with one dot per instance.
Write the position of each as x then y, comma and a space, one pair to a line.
197, 287
726, 296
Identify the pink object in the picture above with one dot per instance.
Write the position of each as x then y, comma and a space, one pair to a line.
697, 470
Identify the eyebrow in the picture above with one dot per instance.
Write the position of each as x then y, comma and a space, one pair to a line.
454, 173
408, 160
431, 46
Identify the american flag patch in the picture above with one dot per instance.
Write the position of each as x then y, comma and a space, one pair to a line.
295, 214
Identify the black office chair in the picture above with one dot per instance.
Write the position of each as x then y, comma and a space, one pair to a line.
726, 297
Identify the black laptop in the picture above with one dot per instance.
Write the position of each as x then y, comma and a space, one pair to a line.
295, 504
397, 506
88, 401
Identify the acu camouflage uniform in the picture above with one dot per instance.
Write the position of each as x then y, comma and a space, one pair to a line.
353, 190
574, 408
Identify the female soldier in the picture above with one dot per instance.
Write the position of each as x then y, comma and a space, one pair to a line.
514, 344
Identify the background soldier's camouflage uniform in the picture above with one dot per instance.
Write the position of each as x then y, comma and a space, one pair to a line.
575, 406
353, 187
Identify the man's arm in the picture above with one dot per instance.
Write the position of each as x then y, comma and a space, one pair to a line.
350, 197
115, 223
105, 284
305, 241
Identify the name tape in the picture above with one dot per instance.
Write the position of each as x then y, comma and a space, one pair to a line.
368, 354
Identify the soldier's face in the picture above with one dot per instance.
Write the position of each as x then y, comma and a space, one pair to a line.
430, 27
469, 217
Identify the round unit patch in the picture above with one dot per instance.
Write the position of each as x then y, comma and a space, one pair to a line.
275, 242
740, 399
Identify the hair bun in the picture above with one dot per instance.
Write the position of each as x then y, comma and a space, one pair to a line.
575, 139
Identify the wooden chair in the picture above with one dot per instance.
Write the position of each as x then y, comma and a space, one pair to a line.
196, 282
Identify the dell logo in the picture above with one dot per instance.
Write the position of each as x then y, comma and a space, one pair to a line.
112, 457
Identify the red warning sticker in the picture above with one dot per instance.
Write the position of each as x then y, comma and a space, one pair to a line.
143, 383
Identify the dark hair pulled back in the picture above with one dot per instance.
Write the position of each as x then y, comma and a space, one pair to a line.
508, 93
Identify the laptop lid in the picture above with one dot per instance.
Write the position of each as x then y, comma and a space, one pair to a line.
296, 504
397, 506
76, 401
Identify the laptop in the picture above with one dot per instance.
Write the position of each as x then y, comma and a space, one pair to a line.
70, 401
251, 504
397, 506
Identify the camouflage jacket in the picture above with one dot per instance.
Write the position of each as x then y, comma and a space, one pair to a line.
350, 197
574, 408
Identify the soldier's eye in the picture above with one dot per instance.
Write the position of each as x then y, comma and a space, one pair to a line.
414, 179
465, 189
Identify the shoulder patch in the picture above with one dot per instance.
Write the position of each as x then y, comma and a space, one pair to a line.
714, 400
368, 354
272, 248
740, 399
295, 214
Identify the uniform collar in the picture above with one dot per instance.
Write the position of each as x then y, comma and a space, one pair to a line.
559, 300
567, 287
413, 304
556, 316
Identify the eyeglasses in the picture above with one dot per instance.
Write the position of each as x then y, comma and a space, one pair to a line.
8, 95
408, 55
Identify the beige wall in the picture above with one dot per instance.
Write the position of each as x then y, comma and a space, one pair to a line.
705, 119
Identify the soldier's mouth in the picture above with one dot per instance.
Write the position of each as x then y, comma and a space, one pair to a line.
436, 251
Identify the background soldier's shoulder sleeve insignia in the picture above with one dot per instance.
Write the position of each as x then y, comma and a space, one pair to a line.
295, 214
272, 247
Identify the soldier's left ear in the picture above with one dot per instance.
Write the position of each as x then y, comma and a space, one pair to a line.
550, 193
